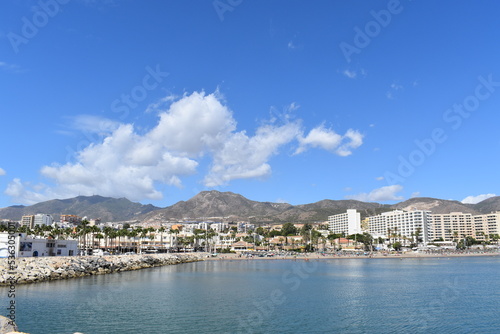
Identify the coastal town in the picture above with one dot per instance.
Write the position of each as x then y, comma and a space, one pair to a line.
346, 233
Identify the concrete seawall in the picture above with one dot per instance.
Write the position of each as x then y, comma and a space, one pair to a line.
40, 269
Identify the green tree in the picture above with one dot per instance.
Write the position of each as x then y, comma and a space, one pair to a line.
260, 231
397, 246
288, 229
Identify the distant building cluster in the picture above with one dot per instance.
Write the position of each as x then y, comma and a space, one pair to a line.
422, 224
37, 220
41, 235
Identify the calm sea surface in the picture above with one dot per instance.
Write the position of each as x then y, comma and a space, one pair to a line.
433, 295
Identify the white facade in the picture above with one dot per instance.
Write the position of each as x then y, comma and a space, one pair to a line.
403, 224
43, 219
25, 246
347, 223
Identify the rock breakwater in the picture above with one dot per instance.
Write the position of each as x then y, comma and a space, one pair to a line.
40, 269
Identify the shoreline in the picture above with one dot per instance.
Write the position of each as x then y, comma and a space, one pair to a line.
316, 256
42, 269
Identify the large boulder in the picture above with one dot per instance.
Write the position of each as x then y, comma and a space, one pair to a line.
7, 325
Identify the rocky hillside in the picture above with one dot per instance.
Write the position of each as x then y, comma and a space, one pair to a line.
488, 205
106, 208
229, 206
438, 205
213, 203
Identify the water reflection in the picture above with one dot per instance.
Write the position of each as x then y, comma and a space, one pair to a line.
253, 296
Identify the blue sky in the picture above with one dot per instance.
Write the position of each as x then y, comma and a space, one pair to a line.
281, 101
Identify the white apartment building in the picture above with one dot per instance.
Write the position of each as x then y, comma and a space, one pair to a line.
403, 224
347, 223
43, 219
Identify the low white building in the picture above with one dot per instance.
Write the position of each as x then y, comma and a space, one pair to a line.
25, 246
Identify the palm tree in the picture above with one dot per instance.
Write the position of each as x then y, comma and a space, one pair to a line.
99, 236
161, 230
107, 232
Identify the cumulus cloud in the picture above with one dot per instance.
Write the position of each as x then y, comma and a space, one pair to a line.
383, 194
20, 193
2, 172
477, 199
243, 157
126, 163
329, 140
194, 124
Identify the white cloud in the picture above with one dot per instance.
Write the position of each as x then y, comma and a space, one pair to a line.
350, 74
19, 193
383, 194
94, 124
2, 172
194, 124
353, 74
415, 194
393, 89
243, 157
10, 67
281, 200
379, 178
125, 163
329, 140
477, 199
161, 105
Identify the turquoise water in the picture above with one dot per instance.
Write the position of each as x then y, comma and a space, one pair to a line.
433, 295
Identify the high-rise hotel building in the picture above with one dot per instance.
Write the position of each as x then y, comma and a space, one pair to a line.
403, 224
347, 223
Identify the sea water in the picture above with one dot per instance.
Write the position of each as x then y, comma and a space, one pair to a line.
393, 295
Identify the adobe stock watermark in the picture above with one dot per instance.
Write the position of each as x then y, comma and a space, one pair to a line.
364, 36
264, 309
222, 6
454, 118
11, 273
122, 106
45, 10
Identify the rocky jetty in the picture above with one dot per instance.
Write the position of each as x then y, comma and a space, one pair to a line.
40, 269
8, 326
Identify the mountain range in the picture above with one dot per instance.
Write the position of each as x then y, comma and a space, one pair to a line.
229, 206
